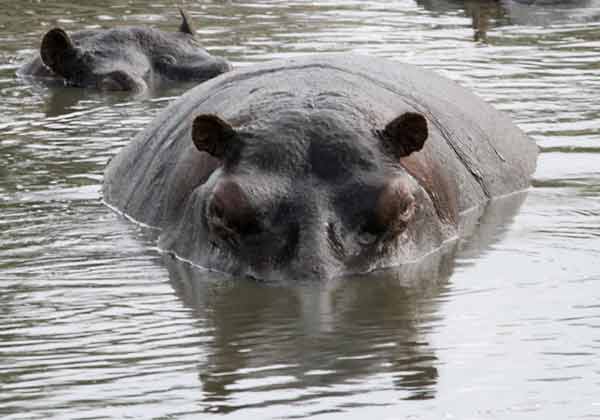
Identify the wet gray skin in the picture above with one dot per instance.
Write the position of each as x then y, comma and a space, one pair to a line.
317, 167
123, 59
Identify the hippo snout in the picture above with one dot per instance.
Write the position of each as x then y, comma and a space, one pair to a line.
216, 67
120, 81
223, 65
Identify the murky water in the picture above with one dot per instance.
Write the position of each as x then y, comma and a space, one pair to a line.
95, 323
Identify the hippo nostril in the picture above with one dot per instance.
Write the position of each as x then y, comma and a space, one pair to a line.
119, 80
215, 67
225, 66
109, 84
167, 59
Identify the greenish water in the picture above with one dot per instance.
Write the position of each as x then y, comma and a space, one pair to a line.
95, 323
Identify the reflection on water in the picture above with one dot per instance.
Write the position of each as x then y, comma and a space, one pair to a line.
487, 14
312, 337
319, 340
483, 13
96, 324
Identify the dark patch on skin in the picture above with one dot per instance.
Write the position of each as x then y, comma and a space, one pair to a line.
316, 144
277, 146
356, 202
268, 156
285, 217
262, 241
337, 151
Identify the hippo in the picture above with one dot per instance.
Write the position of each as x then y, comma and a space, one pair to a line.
123, 59
317, 167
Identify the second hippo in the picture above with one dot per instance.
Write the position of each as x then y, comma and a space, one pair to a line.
125, 59
317, 166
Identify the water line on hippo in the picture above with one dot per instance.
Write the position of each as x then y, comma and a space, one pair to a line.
442, 246
389, 176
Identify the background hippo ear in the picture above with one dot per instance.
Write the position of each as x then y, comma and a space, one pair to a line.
405, 134
56, 46
186, 23
213, 135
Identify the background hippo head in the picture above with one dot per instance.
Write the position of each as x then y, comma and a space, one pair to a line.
127, 59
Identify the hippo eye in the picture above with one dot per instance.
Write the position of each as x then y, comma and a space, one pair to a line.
335, 237
369, 233
167, 59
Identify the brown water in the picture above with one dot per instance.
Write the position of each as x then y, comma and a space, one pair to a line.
96, 324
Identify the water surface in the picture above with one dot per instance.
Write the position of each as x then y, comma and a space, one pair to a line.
95, 323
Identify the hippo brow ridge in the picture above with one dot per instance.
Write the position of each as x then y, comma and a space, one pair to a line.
418, 105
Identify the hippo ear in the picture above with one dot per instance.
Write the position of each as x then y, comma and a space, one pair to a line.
213, 135
56, 46
186, 25
405, 134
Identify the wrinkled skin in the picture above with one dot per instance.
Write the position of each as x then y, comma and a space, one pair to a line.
317, 167
123, 59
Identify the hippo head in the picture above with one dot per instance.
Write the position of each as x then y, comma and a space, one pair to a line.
306, 194
128, 59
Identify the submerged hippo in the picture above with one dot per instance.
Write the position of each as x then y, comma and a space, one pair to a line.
129, 58
317, 166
